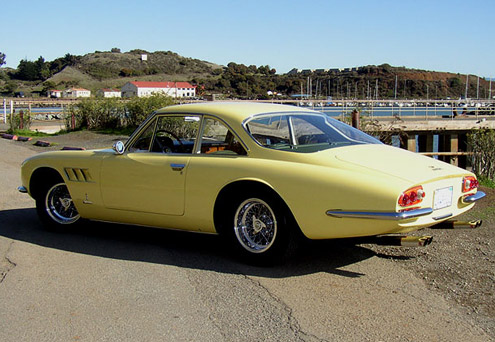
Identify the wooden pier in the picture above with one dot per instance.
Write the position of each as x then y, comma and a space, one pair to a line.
452, 136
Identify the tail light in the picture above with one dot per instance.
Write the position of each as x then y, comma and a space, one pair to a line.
412, 196
469, 183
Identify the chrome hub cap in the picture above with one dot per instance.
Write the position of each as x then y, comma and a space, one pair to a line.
255, 225
59, 205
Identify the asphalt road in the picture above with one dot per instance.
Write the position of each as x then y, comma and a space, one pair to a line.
108, 282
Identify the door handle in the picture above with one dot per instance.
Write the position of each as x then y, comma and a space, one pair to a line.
177, 167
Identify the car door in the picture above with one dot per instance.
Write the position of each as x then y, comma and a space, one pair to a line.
150, 175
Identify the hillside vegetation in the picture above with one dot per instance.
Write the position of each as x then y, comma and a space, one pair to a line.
112, 69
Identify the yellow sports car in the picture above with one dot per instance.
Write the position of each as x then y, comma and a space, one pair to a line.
262, 175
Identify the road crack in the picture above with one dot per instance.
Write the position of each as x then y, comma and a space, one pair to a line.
7, 264
293, 323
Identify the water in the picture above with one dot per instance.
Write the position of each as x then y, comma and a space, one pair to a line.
35, 110
418, 112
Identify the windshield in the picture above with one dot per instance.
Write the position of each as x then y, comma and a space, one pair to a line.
304, 132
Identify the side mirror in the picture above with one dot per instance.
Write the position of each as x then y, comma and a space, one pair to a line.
119, 147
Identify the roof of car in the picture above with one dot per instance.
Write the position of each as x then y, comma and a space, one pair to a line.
232, 110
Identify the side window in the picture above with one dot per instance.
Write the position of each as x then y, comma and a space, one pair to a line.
306, 133
168, 134
176, 133
218, 139
270, 131
143, 142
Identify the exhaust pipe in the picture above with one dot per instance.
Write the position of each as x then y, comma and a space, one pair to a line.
405, 241
454, 224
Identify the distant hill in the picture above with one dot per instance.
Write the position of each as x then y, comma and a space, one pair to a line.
112, 69
102, 65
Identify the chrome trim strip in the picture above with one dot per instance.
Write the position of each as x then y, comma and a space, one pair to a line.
405, 215
473, 198
22, 189
442, 217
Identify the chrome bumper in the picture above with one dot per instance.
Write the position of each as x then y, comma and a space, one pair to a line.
473, 198
381, 215
22, 189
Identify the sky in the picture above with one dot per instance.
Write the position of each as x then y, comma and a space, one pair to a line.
438, 35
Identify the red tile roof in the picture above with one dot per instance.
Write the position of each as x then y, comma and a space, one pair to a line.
144, 84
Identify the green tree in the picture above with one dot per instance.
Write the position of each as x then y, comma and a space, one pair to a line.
42, 69
33, 71
27, 71
2, 58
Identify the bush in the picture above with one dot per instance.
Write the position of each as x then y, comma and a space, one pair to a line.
96, 113
482, 143
15, 120
138, 108
111, 113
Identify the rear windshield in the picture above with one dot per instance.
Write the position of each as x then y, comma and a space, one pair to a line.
304, 133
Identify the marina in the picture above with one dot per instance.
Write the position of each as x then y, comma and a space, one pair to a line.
438, 128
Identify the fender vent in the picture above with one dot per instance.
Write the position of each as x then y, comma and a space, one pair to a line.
78, 175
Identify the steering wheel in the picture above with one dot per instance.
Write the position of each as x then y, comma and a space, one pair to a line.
166, 148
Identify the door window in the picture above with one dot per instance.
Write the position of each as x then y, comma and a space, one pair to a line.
218, 139
168, 134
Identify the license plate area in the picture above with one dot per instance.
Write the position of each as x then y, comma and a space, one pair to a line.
442, 198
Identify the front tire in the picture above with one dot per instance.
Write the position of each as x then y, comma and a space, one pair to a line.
55, 207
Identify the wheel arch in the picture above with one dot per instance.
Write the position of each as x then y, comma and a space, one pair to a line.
40, 178
235, 188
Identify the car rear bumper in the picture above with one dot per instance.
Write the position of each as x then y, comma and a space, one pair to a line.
405, 215
473, 198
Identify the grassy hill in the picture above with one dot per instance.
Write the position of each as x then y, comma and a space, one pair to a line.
112, 69
104, 65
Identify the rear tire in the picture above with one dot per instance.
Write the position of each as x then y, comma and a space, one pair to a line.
260, 229
55, 207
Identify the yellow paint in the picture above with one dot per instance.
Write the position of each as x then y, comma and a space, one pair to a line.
142, 188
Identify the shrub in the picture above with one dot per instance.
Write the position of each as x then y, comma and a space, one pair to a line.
138, 108
96, 113
15, 120
482, 143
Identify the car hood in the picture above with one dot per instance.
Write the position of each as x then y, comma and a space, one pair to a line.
393, 161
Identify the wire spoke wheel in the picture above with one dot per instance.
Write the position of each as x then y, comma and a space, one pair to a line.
59, 205
255, 225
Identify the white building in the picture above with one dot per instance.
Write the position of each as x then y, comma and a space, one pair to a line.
109, 93
54, 93
173, 89
77, 92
